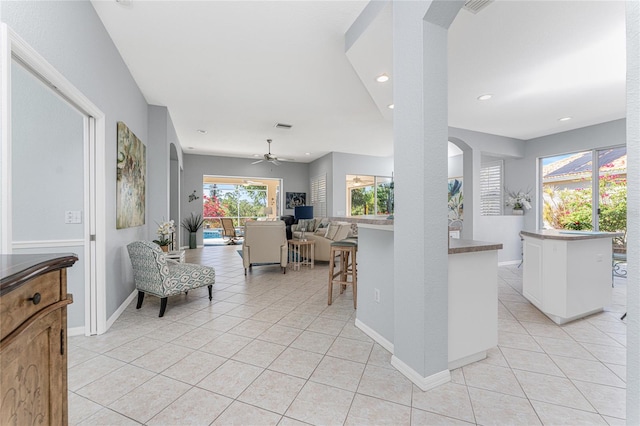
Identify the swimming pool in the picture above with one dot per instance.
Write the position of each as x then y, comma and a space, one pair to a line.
212, 233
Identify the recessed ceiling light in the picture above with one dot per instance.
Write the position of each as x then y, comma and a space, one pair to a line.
382, 78
390, 106
564, 119
307, 153
202, 131
257, 155
485, 97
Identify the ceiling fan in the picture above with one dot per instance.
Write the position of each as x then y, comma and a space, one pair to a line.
269, 157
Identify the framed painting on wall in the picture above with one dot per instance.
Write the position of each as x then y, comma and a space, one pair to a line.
454, 197
294, 199
130, 179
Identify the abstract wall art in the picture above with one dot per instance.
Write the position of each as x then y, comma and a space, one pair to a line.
130, 180
294, 199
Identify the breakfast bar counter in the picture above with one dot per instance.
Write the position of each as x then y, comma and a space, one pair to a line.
473, 293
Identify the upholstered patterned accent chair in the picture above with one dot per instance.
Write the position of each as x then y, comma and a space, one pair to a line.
264, 243
153, 273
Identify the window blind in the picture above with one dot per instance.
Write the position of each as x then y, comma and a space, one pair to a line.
319, 195
491, 189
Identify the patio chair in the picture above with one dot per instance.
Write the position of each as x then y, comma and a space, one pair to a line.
229, 231
153, 273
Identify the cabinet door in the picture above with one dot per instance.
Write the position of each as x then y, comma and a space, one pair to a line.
31, 374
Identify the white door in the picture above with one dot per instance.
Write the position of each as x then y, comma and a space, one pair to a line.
49, 182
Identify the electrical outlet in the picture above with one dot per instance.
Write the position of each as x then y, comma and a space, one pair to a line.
376, 295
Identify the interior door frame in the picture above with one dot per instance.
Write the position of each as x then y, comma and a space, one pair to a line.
13, 46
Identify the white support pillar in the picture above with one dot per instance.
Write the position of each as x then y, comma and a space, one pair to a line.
420, 164
633, 211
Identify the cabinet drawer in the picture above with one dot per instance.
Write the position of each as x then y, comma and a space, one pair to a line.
15, 307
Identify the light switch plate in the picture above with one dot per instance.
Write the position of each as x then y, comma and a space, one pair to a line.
73, 216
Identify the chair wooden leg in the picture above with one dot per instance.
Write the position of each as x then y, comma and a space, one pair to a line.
210, 287
140, 299
163, 306
331, 266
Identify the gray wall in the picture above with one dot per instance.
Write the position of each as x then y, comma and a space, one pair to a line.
295, 178
71, 37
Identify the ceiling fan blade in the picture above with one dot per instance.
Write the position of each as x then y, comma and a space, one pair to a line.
256, 162
275, 161
285, 159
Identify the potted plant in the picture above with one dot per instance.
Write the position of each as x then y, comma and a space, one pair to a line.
165, 233
193, 224
518, 201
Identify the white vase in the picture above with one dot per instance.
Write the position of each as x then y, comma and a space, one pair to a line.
518, 212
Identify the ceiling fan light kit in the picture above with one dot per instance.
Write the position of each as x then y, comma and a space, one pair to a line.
270, 158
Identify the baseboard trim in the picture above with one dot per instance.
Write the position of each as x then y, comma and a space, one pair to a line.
120, 309
374, 335
424, 383
510, 262
75, 331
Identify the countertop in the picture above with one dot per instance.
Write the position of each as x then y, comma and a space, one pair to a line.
17, 269
560, 234
457, 246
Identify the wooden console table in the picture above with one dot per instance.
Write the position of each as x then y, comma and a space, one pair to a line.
301, 253
33, 338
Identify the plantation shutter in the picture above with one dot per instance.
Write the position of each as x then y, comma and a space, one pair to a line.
491, 189
319, 195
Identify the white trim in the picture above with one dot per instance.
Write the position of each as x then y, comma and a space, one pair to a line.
377, 337
424, 383
30, 57
17, 245
510, 262
121, 309
467, 360
5, 137
75, 331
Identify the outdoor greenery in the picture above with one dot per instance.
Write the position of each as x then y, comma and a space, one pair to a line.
240, 203
362, 200
572, 208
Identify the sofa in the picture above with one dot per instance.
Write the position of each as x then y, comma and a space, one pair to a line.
323, 232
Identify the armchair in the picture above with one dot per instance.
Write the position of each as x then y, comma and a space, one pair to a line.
153, 273
265, 242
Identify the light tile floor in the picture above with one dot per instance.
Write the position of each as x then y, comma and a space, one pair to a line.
268, 350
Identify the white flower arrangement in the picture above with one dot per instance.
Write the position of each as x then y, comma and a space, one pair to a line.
518, 200
165, 229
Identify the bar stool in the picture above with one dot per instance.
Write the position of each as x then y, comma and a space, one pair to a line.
346, 249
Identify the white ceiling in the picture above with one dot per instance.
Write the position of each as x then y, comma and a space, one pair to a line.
236, 68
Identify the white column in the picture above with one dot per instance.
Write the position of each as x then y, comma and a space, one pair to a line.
420, 165
633, 212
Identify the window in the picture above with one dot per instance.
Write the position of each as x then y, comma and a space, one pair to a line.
319, 195
369, 195
491, 189
578, 196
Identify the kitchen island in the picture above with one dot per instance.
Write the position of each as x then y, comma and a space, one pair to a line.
472, 301
567, 274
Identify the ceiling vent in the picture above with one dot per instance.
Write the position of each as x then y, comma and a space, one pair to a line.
475, 6
283, 126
